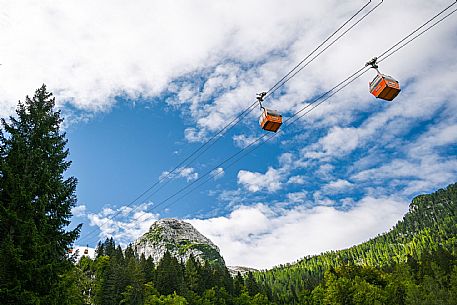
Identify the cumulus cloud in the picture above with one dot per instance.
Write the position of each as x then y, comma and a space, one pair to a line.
79, 210
211, 57
88, 54
321, 199
348, 55
129, 224
261, 236
415, 175
297, 197
437, 136
243, 141
193, 135
273, 179
228, 199
420, 165
338, 142
254, 182
183, 172
217, 173
337, 186
296, 180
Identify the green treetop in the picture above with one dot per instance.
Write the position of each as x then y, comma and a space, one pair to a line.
35, 203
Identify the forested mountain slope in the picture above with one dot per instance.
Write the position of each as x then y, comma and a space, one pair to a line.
429, 227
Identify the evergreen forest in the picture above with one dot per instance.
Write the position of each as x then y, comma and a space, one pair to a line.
414, 263
416, 258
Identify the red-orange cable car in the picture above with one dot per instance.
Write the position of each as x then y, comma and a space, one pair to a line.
70, 251
270, 120
383, 86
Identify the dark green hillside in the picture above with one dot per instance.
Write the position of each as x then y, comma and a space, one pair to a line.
427, 232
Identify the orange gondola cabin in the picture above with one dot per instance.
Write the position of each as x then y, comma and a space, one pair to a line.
270, 120
384, 87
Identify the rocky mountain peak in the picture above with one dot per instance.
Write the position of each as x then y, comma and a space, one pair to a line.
179, 238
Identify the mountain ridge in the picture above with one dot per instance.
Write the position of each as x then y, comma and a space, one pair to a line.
180, 239
429, 225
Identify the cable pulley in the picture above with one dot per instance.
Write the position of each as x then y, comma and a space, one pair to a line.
382, 86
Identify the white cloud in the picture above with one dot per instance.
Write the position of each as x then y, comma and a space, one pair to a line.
296, 180
130, 224
261, 236
297, 197
417, 176
421, 165
88, 55
437, 136
217, 173
338, 142
107, 211
254, 182
320, 199
79, 210
231, 198
183, 172
188, 173
337, 186
243, 141
274, 178
193, 135
325, 171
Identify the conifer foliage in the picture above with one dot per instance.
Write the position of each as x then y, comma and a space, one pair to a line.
35, 204
124, 277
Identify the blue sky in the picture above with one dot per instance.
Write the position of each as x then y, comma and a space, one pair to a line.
142, 86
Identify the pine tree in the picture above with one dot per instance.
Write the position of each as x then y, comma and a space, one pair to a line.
192, 275
238, 284
251, 284
148, 267
169, 275
35, 203
99, 250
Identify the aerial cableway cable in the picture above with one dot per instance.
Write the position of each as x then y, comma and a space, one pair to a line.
300, 66
280, 83
213, 139
262, 139
267, 137
304, 111
400, 45
169, 176
356, 75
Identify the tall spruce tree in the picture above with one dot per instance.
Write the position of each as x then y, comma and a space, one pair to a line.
169, 275
35, 204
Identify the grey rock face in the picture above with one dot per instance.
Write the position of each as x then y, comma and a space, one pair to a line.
233, 270
179, 238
